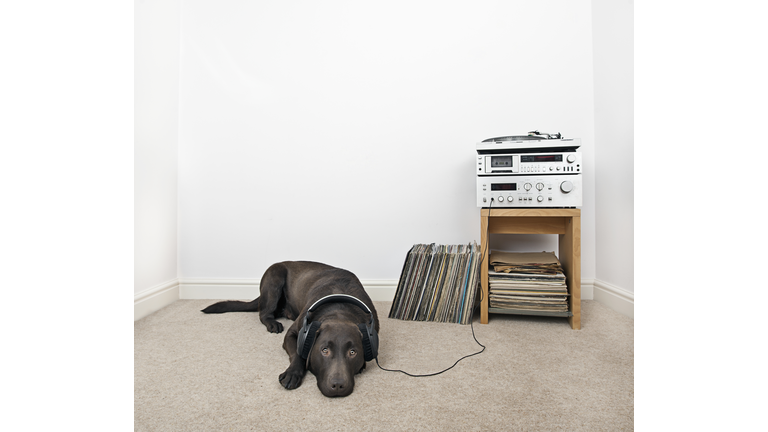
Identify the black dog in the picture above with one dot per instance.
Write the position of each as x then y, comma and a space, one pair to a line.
335, 328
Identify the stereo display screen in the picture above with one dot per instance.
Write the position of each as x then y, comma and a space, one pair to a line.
542, 158
503, 186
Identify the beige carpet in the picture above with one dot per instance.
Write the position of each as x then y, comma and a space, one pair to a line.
197, 372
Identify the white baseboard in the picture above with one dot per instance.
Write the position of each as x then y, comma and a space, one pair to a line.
248, 289
218, 289
155, 298
587, 289
616, 298
160, 296
380, 290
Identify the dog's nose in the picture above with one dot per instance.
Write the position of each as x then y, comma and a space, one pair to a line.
337, 385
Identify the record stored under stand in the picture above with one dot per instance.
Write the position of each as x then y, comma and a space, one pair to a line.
565, 222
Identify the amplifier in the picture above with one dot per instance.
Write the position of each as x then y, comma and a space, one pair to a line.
544, 163
529, 191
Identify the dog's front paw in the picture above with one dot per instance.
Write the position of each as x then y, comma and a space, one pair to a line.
274, 326
291, 379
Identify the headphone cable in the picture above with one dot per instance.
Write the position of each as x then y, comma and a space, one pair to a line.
471, 316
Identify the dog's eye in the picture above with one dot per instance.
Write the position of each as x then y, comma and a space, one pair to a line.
352, 353
325, 351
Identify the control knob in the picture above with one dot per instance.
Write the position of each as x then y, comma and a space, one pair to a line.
539, 186
527, 186
566, 186
571, 158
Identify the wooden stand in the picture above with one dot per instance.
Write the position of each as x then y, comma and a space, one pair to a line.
564, 222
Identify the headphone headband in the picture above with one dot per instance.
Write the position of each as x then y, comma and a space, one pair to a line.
340, 298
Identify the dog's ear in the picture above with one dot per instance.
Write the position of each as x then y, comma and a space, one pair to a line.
309, 341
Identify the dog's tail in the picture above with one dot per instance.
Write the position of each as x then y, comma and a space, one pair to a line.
233, 306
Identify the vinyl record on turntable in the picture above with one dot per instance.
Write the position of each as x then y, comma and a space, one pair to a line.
514, 138
532, 136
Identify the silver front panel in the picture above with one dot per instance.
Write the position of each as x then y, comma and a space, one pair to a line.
529, 191
532, 163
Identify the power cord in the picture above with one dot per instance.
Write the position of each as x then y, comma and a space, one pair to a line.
471, 319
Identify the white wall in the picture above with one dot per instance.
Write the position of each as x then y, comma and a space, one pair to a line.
157, 38
345, 132
614, 142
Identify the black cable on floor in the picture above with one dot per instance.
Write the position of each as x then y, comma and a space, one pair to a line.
471, 317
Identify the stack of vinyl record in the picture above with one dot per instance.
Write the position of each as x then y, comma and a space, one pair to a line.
527, 283
438, 283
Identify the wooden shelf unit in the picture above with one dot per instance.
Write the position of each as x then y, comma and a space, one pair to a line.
564, 222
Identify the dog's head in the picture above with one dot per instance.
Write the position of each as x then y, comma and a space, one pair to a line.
336, 356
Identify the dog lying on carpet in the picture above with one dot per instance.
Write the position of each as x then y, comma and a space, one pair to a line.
335, 328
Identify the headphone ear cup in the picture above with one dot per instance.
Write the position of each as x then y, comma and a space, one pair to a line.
309, 339
370, 342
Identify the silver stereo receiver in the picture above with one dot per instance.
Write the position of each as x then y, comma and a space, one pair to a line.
529, 191
534, 170
526, 163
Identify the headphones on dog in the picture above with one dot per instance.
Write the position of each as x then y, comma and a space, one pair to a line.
308, 331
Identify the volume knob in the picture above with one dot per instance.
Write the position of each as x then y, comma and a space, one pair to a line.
566, 186
571, 158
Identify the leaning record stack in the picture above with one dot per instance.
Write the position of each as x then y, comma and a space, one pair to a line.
438, 283
527, 284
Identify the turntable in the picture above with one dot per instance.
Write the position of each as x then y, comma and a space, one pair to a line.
533, 142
